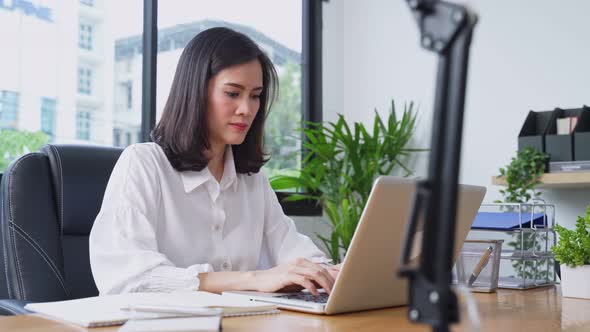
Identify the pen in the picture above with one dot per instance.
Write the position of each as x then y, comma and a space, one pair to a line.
175, 310
483, 261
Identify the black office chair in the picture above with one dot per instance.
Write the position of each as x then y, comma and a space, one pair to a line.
49, 200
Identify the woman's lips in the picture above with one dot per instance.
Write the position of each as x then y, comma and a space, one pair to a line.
239, 126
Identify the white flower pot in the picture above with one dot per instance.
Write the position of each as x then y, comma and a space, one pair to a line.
575, 281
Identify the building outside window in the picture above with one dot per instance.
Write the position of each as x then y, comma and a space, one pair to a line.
84, 80
59, 53
85, 33
8, 109
83, 120
48, 106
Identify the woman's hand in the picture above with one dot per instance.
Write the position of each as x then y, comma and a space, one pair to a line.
296, 275
334, 270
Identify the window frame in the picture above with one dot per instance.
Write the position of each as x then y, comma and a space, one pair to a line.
85, 73
48, 111
85, 35
83, 124
9, 101
311, 82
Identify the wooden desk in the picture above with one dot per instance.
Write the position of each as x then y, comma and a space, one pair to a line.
523, 311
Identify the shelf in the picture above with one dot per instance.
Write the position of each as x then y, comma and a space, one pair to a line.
556, 180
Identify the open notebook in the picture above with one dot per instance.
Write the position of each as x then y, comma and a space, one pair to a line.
112, 309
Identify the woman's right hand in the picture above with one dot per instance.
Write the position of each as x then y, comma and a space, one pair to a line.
295, 275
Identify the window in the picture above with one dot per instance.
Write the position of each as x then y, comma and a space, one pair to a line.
279, 35
8, 109
83, 120
48, 116
129, 93
47, 76
53, 89
85, 36
117, 137
84, 80
117, 28
292, 39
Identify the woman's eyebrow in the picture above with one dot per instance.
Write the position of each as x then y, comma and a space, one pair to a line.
239, 86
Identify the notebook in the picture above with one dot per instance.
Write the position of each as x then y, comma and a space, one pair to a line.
112, 309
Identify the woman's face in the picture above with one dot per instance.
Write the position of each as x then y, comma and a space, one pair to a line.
233, 101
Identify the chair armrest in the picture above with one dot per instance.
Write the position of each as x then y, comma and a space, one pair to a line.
13, 307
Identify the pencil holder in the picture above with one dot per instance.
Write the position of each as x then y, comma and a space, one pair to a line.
478, 264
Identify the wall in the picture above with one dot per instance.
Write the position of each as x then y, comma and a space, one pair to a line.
526, 55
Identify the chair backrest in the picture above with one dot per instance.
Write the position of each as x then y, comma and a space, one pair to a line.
49, 202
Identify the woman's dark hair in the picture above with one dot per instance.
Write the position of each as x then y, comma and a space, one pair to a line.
182, 130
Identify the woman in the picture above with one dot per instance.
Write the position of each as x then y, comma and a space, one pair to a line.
192, 211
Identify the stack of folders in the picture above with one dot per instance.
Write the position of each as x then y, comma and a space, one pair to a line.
197, 310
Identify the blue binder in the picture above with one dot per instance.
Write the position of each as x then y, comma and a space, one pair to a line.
505, 221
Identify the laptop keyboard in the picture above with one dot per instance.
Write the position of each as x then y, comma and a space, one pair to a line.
322, 298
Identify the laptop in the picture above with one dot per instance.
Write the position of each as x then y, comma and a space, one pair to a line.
368, 276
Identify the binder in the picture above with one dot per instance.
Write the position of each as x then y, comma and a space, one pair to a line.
507, 221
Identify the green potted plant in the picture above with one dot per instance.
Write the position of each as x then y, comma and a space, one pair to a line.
341, 164
573, 254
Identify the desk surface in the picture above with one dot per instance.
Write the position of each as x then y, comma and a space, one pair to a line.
507, 310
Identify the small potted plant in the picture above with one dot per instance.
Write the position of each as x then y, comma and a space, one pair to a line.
573, 253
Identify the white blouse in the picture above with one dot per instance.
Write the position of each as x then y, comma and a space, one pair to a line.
159, 228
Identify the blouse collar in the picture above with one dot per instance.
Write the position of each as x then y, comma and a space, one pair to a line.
193, 179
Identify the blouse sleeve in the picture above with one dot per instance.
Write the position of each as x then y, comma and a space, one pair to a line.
283, 240
124, 254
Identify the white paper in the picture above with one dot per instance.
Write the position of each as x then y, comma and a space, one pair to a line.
211, 323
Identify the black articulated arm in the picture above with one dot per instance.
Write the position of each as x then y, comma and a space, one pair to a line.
445, 28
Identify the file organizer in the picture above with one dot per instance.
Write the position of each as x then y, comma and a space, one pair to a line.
532, 133
561, 147
582, 136
526, 260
